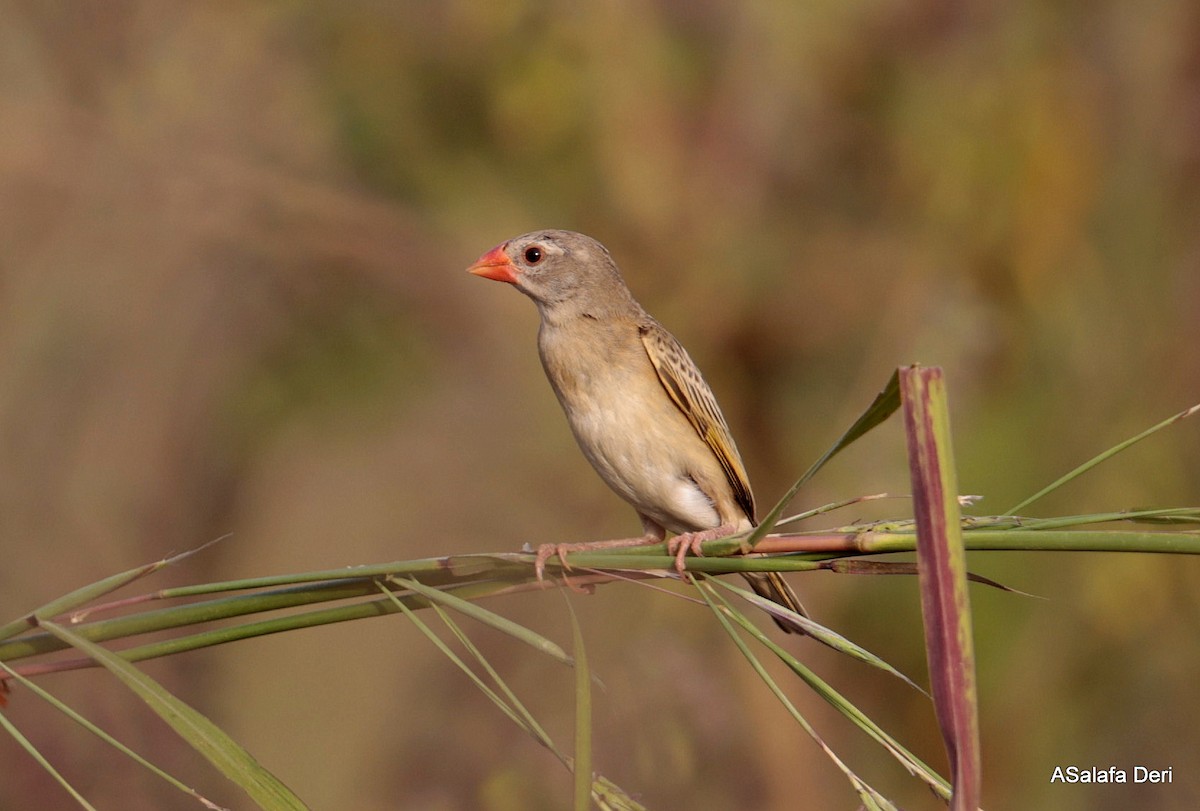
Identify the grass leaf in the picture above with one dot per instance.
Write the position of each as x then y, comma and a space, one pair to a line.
489, 618
1108, 454
583, 717
724, 613
204, 736
66, 710
824, 635
81, 596
28, 746
882, 407
942, 575
510, 707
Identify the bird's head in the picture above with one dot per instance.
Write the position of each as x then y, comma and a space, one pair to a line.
556, 269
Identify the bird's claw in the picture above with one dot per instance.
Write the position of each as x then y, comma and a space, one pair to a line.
547, 551
681, 545
559, 550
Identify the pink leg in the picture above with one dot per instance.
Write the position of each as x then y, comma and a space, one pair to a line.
549, 550
680, 545
653, 534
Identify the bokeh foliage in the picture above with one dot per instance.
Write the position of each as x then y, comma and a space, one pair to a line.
231, 300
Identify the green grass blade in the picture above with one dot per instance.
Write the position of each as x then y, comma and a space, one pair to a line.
81, 596
606, 793
204, 736
510, 695
431, 571
161, 619
942, 576
66, 710
911, 763
583, 717
1039, 540
882, 407
1165, 515
508, 704
1108, 454
724, 612
878, 568
28, 746
831, 507
826, 636
489, 618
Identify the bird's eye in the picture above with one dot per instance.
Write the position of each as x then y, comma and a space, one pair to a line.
533, 255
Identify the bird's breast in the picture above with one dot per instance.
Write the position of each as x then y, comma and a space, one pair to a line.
632, 433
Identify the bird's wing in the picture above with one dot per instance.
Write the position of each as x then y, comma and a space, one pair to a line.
687, 389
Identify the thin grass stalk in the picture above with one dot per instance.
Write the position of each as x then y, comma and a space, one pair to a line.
882, 407
526, 717
582, 767
1102, 457
43, 761
85, 723
536, 732
826, 636
724, 612
911, 763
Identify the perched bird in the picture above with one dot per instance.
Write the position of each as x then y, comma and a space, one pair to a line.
639, 409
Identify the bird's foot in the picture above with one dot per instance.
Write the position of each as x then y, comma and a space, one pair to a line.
547, 551
681, 545
561, 550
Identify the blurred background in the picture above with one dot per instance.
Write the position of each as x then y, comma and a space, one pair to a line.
232, 300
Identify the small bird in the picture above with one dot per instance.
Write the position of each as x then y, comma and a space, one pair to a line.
639, 409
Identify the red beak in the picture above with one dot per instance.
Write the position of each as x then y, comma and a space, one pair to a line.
495, 265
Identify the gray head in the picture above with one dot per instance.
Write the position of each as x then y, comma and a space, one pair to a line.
565, 273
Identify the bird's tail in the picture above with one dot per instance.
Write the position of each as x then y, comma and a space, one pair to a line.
772, 586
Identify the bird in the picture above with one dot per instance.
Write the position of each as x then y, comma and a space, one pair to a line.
636, 403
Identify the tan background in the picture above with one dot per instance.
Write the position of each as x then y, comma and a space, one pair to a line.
232, 300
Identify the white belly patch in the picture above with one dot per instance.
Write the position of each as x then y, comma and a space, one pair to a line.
689, 500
